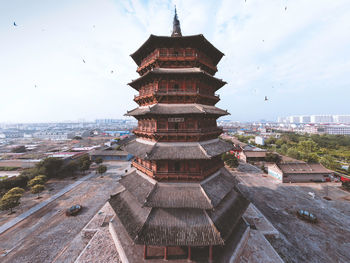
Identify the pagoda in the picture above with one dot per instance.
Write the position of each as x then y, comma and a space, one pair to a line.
180, 195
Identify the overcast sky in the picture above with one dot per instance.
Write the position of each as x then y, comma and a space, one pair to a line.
295, 52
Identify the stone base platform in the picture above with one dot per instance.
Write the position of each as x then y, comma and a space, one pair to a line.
110, 243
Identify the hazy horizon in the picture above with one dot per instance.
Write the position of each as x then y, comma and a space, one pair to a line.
68, 60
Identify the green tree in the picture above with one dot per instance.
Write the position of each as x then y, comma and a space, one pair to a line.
329, 162
99, 160
16, 191
50, 166
70, 169
309, 157
84, 163
35, 181
284, 149
293, 152
19, 149
273, 157
37, 189
10, 201
280, 142
42, 177
270, 140
101, 169
233, 162
307, 146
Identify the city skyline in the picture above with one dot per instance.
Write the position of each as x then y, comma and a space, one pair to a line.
69, 60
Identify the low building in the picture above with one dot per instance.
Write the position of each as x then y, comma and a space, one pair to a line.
299, 172
67, 157
252, 154
259, 140
110, 155
337, 130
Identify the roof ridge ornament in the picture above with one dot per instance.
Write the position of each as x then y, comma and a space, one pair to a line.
176, 26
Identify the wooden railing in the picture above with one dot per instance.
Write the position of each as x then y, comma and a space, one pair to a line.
201, 130
182, 56
176, 175
174, 93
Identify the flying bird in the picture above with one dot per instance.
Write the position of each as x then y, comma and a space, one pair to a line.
266, 98
285, 9
14, 23
35, 86
112, 71
84, 61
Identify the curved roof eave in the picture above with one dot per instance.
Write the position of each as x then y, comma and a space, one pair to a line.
136, 54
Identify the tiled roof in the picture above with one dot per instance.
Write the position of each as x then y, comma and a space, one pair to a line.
175, 214
176, 109
177, 151
302, 168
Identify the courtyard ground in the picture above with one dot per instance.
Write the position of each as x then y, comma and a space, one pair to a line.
300, 241
46, 235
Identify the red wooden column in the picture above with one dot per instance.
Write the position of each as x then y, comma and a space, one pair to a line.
189, 253
165, 253
145, 252
210, 253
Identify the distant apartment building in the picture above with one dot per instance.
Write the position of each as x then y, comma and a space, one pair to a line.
337, 130
54, 135
321, 119
304, 119
106, 121
342, 119
294, 119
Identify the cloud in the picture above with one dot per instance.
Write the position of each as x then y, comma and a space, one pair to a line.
298, 57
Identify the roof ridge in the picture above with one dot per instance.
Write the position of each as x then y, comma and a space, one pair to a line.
203, 150
214, 227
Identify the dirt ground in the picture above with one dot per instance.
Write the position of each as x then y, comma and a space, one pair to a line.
29, 200
46, 234
300, 241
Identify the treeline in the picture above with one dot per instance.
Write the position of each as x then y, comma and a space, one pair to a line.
329, 150
50, 167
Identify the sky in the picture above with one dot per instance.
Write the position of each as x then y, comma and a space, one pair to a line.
295, 52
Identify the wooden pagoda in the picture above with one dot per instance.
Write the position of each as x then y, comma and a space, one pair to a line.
180, 194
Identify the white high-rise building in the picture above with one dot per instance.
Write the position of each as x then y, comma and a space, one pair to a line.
305, 119
321, 118
341, 118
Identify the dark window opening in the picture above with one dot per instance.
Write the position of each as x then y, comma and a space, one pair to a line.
177, 166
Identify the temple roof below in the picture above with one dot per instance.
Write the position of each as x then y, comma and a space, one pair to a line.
175, 214
148, 150
178, 71
176, 109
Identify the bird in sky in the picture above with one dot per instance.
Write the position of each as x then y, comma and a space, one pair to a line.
285, 9
112, 71
35, 86
14, 23
84, 61
266, 98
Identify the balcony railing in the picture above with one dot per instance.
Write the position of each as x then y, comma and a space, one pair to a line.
175, 92
177, 56
185, 131
176, 175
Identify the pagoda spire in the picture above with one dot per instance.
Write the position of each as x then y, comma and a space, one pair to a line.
176, 26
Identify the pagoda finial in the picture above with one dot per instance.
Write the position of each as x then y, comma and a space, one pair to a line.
176, 26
